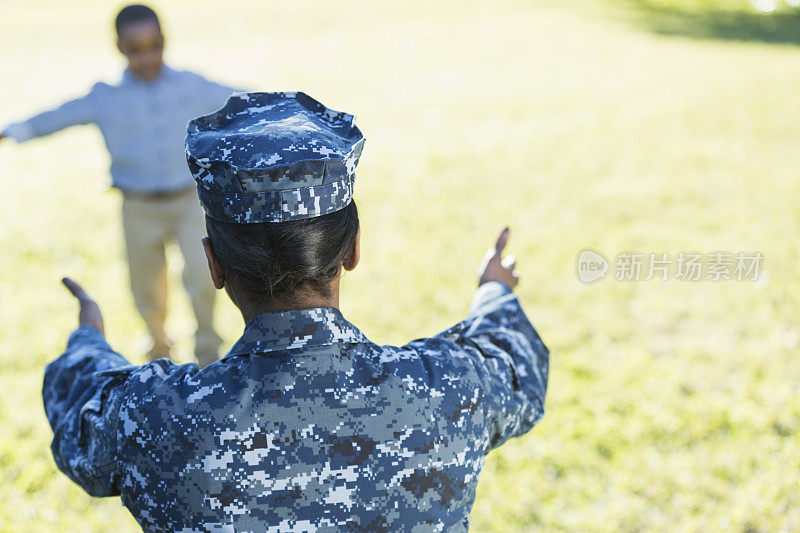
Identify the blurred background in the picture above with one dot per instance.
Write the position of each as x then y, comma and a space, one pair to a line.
616, 125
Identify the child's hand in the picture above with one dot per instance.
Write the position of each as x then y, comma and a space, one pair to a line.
89, 314
495, 268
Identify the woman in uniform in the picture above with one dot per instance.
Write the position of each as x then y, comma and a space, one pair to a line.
305, 425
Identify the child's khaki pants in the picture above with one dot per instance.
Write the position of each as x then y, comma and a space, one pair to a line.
149, 223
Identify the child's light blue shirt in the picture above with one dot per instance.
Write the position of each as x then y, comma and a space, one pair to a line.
143, 124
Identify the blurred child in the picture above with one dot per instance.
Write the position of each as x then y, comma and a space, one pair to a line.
143, 121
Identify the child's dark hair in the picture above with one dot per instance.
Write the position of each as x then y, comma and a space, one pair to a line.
134, 13
274, 259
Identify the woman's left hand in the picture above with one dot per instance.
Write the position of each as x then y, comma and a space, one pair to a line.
89, 314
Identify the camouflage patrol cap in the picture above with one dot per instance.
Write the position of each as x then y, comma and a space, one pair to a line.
273, 157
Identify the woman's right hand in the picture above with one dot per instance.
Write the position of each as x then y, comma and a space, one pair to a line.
495, 268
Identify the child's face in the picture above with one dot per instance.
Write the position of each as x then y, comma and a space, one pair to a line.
143, 44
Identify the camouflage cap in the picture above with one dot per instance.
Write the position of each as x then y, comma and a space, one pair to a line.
273, 157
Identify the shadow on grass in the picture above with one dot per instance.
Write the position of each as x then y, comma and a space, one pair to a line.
780, 27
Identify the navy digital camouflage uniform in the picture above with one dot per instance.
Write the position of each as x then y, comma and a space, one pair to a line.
305, 425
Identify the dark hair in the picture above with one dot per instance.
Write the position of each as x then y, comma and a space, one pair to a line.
274, 259
134, 13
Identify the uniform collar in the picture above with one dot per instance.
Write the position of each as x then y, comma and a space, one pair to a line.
300, 328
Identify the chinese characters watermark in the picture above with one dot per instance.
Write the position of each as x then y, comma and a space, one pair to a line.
592, 266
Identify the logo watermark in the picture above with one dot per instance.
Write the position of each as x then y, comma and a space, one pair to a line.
592, 266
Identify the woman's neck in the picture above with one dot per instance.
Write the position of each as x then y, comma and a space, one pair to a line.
306, 299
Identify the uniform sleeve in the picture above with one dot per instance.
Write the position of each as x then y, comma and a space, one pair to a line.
510, 360
74, 112
82, 405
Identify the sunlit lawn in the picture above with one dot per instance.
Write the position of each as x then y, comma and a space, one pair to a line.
614, 125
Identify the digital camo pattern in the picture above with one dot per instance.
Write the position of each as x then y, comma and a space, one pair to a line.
304, 426
276, 206
272, 157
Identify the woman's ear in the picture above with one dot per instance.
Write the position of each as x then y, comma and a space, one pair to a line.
352, 259
217, 273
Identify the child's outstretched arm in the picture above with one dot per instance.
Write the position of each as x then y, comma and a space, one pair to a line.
72, 113
213, 94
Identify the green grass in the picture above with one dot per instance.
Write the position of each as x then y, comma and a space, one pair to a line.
612, 124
